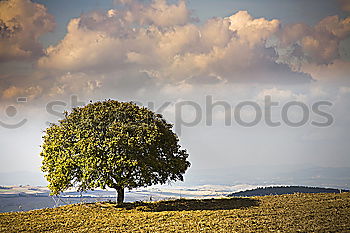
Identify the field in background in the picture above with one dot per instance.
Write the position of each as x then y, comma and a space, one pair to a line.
24, 198
285, 213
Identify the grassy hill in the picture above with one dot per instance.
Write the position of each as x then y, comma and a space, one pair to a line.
285, 213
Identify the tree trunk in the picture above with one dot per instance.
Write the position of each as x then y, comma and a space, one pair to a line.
120, 195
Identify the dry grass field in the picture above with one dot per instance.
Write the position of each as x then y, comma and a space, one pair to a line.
283, 213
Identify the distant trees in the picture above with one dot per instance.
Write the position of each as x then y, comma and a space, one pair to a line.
111, 144
279, 190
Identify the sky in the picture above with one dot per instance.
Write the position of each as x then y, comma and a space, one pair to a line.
208, 66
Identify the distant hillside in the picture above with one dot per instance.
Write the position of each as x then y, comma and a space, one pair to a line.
279, 190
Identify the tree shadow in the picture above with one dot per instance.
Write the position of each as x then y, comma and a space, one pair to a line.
192, 204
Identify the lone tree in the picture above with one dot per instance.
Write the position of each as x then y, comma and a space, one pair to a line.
111, 144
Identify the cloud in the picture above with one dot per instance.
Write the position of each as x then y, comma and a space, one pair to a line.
158, 13
276, 93
253, 31
318, 44
83, 50
336, 72
22, 22
169, 48
75, 83
316, 50
30, 93
154, 45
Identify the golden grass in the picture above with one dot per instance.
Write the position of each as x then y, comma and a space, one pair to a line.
284, 213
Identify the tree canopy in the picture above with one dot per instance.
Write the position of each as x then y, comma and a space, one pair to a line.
111, 144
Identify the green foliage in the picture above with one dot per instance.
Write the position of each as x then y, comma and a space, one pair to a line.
111, 144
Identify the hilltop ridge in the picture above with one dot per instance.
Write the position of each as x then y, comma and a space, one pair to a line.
279, 190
